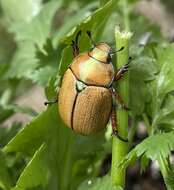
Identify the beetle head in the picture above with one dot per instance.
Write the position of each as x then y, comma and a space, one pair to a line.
102, 52
104, 47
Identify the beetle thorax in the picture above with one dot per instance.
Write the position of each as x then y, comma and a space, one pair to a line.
92, 68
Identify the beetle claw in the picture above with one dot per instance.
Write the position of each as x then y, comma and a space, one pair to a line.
50, 102
123, 69
126, 108
115, 133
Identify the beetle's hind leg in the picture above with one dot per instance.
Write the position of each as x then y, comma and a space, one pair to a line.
54, 101
91, 39
114, 125
119, 74
118, 99
74, 44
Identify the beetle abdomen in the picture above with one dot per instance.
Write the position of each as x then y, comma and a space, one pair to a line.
86, 112
92, 110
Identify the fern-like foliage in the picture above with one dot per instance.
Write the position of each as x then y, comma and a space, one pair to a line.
153, 147
156, 147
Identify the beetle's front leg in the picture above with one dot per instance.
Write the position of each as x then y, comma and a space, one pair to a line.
118, 99
119, 74
114, 125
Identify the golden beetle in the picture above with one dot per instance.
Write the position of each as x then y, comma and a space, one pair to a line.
86, 97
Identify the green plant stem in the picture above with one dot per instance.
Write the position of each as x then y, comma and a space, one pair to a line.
120, 148
125, 9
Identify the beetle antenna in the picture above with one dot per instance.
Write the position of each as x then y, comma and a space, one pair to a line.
113, 52
90, 37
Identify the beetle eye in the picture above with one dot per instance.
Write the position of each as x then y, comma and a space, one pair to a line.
109, 58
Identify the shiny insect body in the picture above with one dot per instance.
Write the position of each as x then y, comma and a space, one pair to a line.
86, 97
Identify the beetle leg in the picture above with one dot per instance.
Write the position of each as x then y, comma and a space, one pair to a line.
122, 70
75, 48
74, 45
50, 102
119, 99
91, 39
114, 125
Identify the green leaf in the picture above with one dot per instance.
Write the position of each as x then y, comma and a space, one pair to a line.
163, 83
7, 133
7, 48
63, 148
169, 179
32, 136
153, 147
5, 179
48, 60
42, 75
72, 22
54, 83
159, 89
98, 183
20, 11
66, 60
166, 171
165, 116
48, 55
91, 22
142, 69
36, 173
38, 30
50, 90
23, 62
144, 163
44, 128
